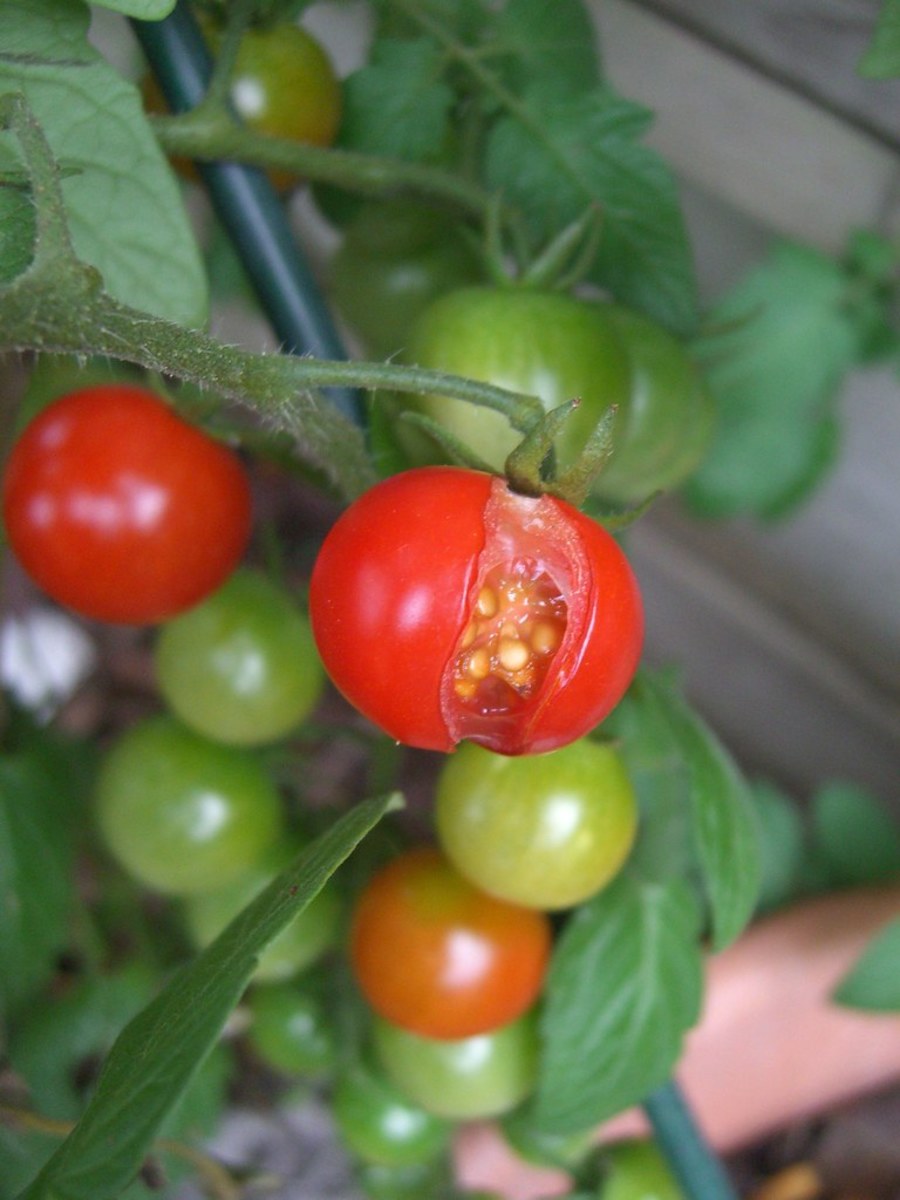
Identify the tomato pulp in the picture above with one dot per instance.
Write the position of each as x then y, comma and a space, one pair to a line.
447, 607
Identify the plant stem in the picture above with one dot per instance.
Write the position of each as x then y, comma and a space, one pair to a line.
696, 1168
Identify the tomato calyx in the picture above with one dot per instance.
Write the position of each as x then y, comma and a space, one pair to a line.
520, 626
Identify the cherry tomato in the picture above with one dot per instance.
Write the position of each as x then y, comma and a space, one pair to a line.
309, 935
447, 607
183, 814
241, 667
291, 1029
437, 956
283, 85
465, 1079
638, 1171
380, 1125
395, 260
546, 344
666, 427
121, 510
545, 831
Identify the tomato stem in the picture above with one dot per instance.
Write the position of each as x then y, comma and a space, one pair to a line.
693, 1162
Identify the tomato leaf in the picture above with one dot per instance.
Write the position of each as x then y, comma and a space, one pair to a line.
882, 58
555, 155
856, 838
534, 37
398, 104
145, 10
783, 848
624, 986
787, 336
123, 204
157, 1054
873, 983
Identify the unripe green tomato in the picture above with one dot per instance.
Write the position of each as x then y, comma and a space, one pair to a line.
547, 344
638, 1171
309, 935
380, 1125
241, 667
181, 813
544, 831
291, 1029
395, 260
466, 1079
666, 428
418, 1181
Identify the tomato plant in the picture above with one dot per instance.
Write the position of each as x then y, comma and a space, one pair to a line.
394, 260
439, 957
241, 667
666, 426
545, 831
547, 344
283, 85
181, 813
380, 1125
122, 511
309, 935
464, 1079
447, 607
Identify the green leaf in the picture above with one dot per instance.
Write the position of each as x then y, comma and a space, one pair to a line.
398, 104
787, 338
536, 36
38, 807
873, 983
882, 59
783, 851
144, 10
17, 231
624, 986
123, 203
157, 1054
855, 837
555, 155
724, 825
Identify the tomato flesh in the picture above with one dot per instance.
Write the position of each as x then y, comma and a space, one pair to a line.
447, 607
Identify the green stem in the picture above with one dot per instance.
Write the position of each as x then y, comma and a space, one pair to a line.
693, 1163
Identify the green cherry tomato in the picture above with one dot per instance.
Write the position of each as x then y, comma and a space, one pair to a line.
638, 1171
666, 427
547, 344
417, 1181
465, 1079
380, 1125
301, 943
181, 813
396, 259
291, 1029
242, 666
545, 831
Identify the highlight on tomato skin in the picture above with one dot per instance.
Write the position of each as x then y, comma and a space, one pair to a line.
439, 957
121, 510
446, 607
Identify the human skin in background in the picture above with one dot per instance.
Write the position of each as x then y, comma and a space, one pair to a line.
771, 1047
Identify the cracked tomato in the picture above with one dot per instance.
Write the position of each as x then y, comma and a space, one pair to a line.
447, 607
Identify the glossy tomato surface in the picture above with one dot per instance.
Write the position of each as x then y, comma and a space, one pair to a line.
292, 1029
545, 344
121, 510
546, 831
464, 1079
638, 1171
439, 957
664, 430
380, 1125
447, 607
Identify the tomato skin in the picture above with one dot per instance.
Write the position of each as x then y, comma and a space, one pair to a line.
638, 1171
292, 1030
122, 511
547, 344
240, 667
546, 831
380, 1125
436, 956
397, 580
666, 427
465, 1079
183, 814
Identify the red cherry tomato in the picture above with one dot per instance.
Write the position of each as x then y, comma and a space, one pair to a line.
447, 607
438, 957
121, 510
